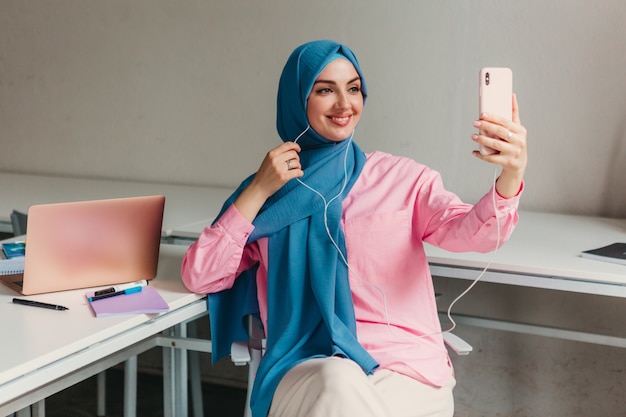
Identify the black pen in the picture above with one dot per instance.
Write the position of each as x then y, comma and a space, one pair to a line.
38, 304
121, 287
114, 294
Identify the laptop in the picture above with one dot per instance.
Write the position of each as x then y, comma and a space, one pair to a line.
90, 243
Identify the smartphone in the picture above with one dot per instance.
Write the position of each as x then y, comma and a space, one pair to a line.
495, 95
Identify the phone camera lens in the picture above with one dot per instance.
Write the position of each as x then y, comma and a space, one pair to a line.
487, 79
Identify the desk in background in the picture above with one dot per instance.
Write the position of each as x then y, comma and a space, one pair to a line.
544, 252
184, 205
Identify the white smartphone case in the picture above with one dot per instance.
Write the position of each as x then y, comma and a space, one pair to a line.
495, 92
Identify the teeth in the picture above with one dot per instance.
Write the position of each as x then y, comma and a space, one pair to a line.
341, 119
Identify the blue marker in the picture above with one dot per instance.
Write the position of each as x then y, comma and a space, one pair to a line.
114, 294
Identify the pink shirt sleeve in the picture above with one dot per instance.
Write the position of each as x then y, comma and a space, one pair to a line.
212, 262
458, 227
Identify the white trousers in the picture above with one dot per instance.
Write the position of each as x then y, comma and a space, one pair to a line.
337, 387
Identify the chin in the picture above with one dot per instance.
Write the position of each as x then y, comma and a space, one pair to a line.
338, 136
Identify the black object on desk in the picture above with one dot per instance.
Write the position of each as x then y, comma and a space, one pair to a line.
38, 304
615, 253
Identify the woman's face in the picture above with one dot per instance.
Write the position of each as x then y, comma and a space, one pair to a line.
336, 102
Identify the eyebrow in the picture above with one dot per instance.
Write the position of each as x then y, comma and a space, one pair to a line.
335, 83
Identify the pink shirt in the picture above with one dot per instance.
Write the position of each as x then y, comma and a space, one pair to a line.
393, 207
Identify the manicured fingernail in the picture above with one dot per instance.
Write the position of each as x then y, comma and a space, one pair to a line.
477, 123
474, 137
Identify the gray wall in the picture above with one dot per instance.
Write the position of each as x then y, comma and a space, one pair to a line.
184, 92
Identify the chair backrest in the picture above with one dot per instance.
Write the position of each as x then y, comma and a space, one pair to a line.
249, 353
18, 222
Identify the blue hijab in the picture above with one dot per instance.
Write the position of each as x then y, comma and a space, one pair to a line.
310, 309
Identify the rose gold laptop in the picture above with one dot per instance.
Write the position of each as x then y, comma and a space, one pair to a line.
90, 243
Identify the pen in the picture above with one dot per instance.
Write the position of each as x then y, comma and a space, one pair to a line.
121, 287
38, 304
115, 294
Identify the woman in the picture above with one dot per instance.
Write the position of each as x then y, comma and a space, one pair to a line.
327, 241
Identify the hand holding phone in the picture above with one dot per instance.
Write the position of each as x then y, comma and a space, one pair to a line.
495, 92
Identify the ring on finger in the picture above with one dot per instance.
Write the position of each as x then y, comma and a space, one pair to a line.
289, 165
508, 135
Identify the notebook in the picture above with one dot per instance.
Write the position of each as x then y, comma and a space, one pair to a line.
12, 266
13, 249
147, 301
90, 243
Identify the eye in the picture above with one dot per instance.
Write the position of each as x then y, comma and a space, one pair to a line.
355, 89
323, 90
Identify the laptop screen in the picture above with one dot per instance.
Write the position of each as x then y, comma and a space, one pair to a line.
90, 243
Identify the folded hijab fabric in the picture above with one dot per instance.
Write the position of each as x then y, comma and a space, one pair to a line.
310, 310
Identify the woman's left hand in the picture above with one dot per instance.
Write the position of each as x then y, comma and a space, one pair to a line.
508, 139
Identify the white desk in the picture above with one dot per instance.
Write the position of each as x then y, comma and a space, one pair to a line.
48, 360
44, 351
544, 252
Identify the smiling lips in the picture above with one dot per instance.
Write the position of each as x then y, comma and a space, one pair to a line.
340, 120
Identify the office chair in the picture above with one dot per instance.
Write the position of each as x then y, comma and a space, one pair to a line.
250, 352
18, 222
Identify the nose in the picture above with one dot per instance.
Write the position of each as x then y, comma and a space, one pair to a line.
343, 101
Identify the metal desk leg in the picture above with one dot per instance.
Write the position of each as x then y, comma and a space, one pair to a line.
168, 386
175, 376
39, 409
130, 387
35, 410
24, 412
130, 390
195, 374
101, 382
